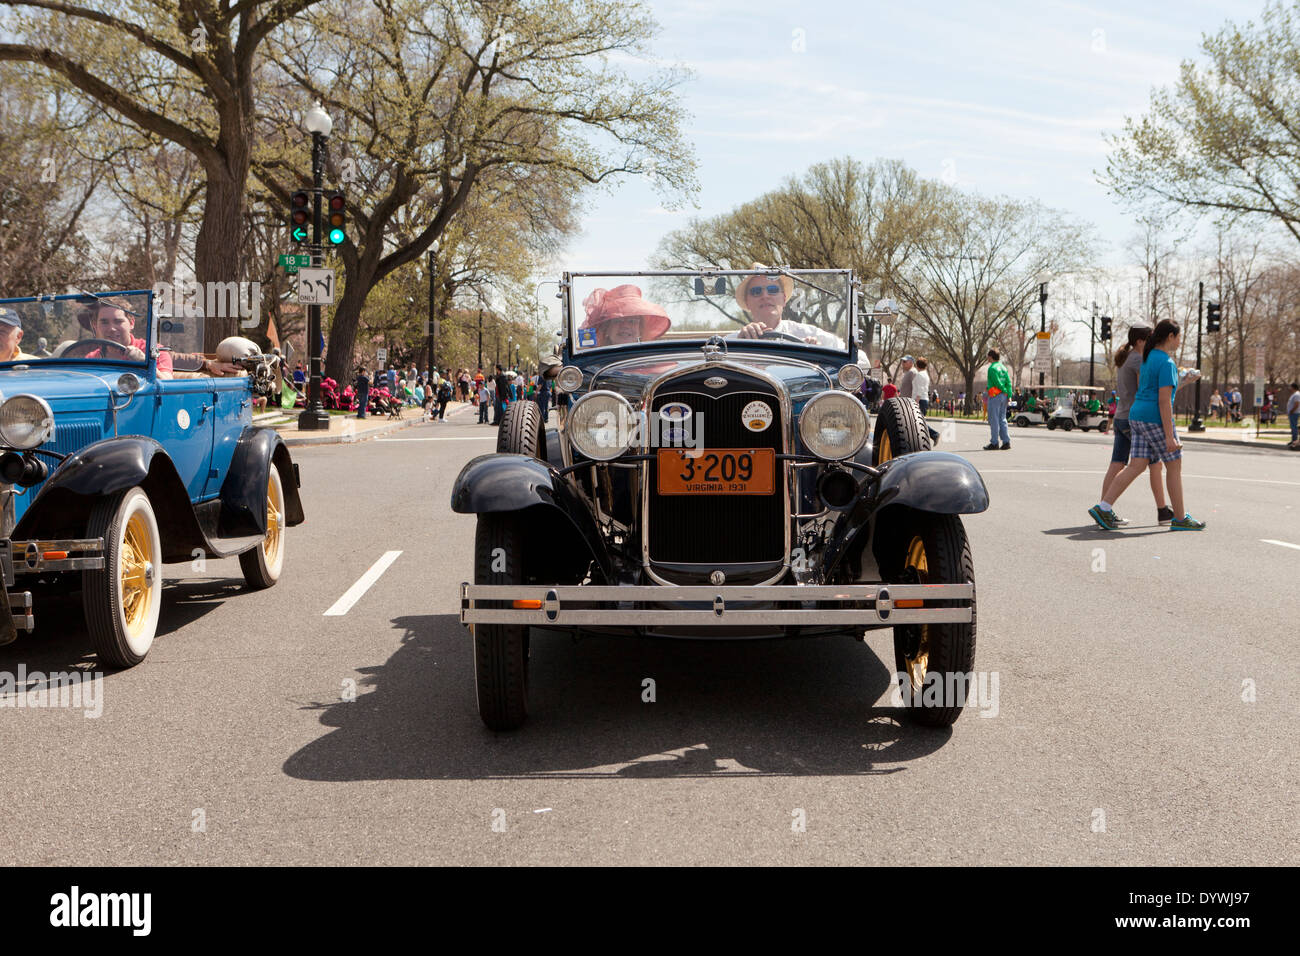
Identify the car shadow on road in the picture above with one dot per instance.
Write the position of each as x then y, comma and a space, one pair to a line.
723, 709
60, 641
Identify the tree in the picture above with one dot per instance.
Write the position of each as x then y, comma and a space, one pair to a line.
977, 265
1226, 138
181, 70
434, 100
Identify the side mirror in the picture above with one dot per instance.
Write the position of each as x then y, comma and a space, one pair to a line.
719, 286
887, 311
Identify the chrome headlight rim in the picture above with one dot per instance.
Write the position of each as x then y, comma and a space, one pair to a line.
569, 379
853, 407
619, 406
850, 377
43, 426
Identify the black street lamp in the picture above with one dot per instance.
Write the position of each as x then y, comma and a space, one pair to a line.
433, 282
314, 417
1042, 304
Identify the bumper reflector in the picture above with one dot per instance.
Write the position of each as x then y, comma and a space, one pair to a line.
909, 604
527, 605
54, 555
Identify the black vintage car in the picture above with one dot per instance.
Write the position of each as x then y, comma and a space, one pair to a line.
715, 475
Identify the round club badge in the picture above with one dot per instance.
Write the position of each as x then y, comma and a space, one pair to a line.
756, 416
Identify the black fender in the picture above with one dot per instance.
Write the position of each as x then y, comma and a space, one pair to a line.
935, 481
502, 482
62, 508
243, 493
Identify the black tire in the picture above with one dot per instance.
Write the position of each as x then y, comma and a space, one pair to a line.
521, 431
1022, 421
1103, 427
1067, 425
1051, 424
900, 430
949, 648
262, 565
122, 600
500, 650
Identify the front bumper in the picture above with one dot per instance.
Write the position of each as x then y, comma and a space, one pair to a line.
39, 557
855, 605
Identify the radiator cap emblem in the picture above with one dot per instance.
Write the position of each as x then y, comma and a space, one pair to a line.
756, 416
717, 578
715, 381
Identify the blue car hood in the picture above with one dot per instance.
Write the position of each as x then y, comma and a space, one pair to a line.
65, 389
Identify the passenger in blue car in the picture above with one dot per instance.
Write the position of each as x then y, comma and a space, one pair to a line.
11, 333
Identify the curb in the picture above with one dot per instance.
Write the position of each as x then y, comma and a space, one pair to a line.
340, 438
1183, 435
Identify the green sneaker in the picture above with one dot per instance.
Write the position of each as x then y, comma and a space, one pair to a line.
1105, 519
1186, 523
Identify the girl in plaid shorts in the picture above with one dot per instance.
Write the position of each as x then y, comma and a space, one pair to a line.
1151, 420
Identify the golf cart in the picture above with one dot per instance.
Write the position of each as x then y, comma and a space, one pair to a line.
1026, 414
1070, 409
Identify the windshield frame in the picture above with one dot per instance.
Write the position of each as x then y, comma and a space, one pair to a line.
570, 315
84, 298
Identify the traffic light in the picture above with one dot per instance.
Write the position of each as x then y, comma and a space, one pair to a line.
1212, 317
1105, 329
336, 218
300, 216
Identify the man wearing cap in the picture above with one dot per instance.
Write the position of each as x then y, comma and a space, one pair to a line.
11, 333
906, 373
620, 316
764, 298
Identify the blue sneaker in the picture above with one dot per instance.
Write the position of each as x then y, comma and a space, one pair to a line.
1105, 519
1186, 523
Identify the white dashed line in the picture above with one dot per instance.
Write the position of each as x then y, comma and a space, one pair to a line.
464, 438
1281, 544
353, 594
1066, 471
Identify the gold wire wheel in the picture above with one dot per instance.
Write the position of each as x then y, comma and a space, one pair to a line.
886, 450
138, 566
274, 521
919, 663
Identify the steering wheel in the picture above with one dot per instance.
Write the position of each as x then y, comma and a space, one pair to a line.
83, 347
774, 334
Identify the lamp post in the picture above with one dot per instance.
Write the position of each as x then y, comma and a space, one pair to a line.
314, 417
433, 283
1042, 305
480, 331
1197, 425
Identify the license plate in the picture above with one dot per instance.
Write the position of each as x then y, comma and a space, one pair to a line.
718, 471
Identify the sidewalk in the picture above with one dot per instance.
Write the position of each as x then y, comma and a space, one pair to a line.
344, 429
1271, 437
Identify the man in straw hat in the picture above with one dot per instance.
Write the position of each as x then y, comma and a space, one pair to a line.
113, 319
764, 298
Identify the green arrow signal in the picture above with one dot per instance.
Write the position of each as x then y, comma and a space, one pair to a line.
299, 233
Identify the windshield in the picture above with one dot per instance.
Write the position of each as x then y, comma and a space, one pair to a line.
89, 327
798, 306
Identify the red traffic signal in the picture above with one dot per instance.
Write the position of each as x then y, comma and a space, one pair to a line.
300, 216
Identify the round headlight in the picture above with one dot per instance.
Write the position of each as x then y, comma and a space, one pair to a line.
833, 425
850, 378
569, 379
25, 422
601, 425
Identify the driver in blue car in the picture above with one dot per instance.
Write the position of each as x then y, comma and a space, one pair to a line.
113, 319
11, 333
764, 298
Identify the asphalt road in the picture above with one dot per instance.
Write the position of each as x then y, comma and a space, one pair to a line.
1119, 733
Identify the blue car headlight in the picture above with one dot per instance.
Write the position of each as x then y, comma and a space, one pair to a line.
25, 422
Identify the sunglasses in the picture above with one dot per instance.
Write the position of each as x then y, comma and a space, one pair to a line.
760, 289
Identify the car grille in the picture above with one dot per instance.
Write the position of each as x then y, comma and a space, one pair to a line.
719, 529
69, 437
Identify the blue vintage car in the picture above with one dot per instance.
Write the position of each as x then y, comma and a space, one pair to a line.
122, 450
715, 475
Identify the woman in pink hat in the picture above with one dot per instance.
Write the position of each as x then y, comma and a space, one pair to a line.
620, 315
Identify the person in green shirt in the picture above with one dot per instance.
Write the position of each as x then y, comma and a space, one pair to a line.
999, 392
1094, 407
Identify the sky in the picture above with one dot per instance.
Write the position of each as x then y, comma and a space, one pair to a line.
1008, 98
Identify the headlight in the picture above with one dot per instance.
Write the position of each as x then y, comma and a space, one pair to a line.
25, 422
850, 378
600, 425
569, 379
833, 425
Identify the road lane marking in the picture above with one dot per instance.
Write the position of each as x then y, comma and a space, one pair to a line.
1056, 471
353, 594
462, 438
1283, 544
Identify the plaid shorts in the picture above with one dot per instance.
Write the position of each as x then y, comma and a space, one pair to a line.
1149, 442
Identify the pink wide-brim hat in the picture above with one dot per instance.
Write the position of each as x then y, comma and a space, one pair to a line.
621, 302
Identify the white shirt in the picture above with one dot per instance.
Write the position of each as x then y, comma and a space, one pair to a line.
801, 331
921, 385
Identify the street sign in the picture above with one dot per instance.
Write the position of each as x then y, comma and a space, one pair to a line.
1259, 389
1043, 357
292, 262
316, 287
1259, 362
381, 356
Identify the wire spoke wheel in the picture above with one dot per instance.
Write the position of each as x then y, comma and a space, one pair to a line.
122, 600
262, 565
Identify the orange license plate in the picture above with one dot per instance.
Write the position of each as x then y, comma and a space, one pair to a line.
718, 471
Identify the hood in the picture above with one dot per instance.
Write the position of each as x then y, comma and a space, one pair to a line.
65, 389
630, 377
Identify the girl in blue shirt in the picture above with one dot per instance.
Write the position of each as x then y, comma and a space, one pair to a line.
1151, 419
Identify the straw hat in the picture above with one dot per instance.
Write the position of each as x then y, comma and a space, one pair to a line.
787, 284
